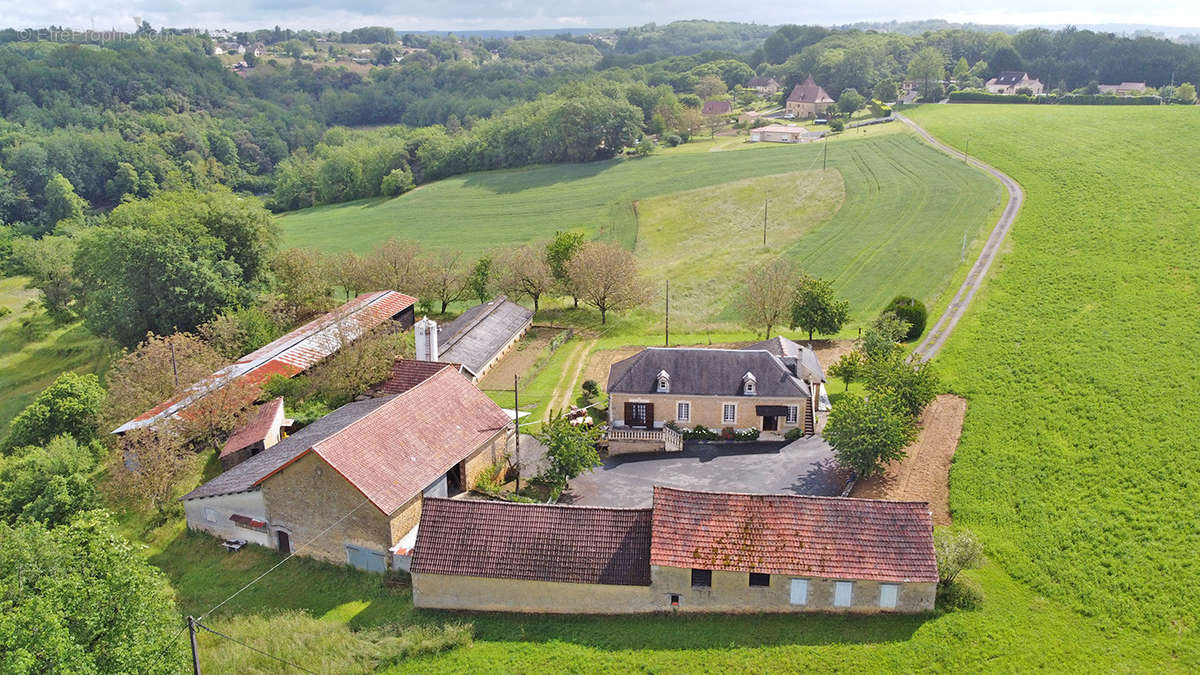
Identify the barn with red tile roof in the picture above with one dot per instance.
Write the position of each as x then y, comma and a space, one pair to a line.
349, 488
693, 551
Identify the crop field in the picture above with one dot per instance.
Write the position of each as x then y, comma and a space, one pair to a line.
1079, 457
901, 218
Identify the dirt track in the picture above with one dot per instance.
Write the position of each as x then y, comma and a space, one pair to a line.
924, 475
941, 330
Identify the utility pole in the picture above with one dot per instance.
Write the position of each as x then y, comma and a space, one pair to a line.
764, 223
667, 324
174, 368
191, 621
517, 428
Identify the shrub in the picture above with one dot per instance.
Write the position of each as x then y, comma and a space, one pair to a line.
397, 182
836, 125
591, 389
911, 311
964, 594
728, 433
793, 434
700, 433
672, 140
750, 434
70, 405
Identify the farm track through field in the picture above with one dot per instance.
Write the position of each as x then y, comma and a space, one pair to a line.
936, 337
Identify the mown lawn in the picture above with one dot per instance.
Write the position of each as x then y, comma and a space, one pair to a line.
890, 216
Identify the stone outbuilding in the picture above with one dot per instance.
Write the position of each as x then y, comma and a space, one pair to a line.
692, 552
261, 432
349, 487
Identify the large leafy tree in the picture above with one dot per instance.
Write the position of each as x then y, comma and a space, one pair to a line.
816, 308
79, 598
48, 485
72, 404
867, 433
570, 449
559, 252
911, 386
171, 263
524, 272
927, 69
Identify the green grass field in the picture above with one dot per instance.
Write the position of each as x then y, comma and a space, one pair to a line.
890, 216
1079, 455
34, 349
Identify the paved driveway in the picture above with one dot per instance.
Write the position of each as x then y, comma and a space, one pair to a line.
802, 467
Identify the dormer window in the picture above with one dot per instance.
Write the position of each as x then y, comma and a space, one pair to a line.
664, 382
749, 384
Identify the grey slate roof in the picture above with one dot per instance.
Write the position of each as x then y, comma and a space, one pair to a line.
478, 335
808, 367
1010, 77
704, 372
243, 476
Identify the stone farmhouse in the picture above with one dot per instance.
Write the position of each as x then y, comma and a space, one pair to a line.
240, 383
1012, 81
808, 99
716, 388
477, 338
765, 86
690, 552
349, 487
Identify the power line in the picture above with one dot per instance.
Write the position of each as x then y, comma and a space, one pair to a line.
290, 556
256, 649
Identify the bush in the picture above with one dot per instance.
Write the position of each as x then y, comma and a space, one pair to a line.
672, 140
911, 311
591, 389
750, 434
836, 124
728, 433
793, 434
963, 593
700, 433
397, 182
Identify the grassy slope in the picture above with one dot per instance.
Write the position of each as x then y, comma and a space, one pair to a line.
34, 350
906, 212
1079, 457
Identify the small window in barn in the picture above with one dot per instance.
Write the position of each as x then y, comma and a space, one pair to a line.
759, 579
888, 595
683, 411
843, 593
701, 578
798, 593
729, 413
210, 515
793, 413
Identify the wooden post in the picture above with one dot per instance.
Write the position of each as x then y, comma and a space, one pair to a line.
191, 622
517, 428
667, 325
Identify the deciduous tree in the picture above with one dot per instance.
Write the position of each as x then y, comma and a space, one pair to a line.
302, 278
396, 265
848, 368
866, 434
850, 101
524, 272
765, 298
883, 336
570, 449
48, 484
816, 308
49, 262
149, 466
927, 69
71, 405
911, 386
559, 252
157, 370
607, 278
446, 279
710, 86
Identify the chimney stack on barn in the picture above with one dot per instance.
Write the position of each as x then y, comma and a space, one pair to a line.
426, 332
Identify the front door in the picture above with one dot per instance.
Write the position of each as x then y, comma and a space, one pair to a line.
285, 542
771, 423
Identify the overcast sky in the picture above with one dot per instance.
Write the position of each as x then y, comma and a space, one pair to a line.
530, 14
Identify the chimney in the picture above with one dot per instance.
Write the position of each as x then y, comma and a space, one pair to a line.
427, 339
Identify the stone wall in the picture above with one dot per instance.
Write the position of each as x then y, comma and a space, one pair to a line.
732, 592
308, 496
706, 410
438, 591
211, 514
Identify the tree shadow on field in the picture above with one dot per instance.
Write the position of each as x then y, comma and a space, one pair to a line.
685, 631
518, 180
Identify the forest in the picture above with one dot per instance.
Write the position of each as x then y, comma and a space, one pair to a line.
86, 127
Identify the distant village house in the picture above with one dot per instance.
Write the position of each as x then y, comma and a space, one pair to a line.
716, 108
1012, 82
1124, 88
808, 99
778, 133
765, 86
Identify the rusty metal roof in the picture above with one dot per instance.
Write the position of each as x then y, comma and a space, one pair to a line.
289, 355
